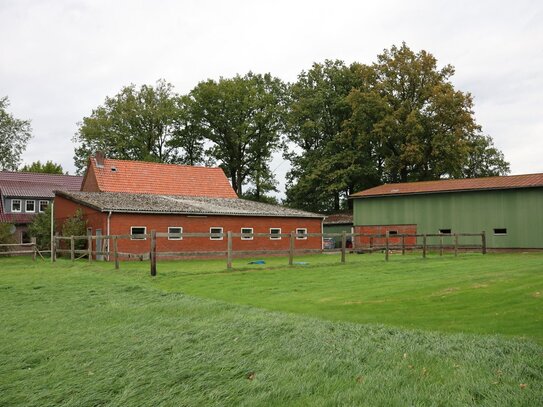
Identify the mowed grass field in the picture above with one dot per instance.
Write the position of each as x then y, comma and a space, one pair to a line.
440, 331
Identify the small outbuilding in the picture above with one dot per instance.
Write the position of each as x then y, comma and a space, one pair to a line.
130, 198
508, 209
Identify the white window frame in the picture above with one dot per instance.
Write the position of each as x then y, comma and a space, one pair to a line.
39, 205
277, 237
211, 233
500, 234
175, 227
246, 237
138, 238
20, 205
298, 233
33, 206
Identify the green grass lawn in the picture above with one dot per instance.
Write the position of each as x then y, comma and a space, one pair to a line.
80, 334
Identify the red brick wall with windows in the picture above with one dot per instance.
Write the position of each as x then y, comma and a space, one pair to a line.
363, 241
120, 224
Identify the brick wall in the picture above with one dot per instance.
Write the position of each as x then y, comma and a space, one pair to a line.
363, 241
120, 224
89, 183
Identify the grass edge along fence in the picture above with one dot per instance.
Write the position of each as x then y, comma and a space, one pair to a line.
377, 243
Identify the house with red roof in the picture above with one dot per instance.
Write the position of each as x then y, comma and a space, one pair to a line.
509, 209
25, 194
120, 197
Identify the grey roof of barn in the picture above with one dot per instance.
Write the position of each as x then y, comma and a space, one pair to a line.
173, 204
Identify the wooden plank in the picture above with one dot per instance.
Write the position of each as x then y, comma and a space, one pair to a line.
456, 244
441, 245
483, 242
403, 245
72, 249
116, 253
424, 246
16, 244
229, 250
386, 246
343, 246
34, 248
152, 253
89, 247
17, 252
291, 249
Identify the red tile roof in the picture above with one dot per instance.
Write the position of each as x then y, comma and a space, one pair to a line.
67, 182
339, 219
156, 178
454, 185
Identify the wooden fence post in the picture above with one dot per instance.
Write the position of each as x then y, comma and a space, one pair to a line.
456, 244
371, 244
424, 246
152, 254
441, 245
403, 245
72, 248
229, 250
89, 247
54, 253
386, 246
343, 245
483, 242
291, 248
115, 253
34, 248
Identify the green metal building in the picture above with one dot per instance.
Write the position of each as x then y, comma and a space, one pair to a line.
508, 209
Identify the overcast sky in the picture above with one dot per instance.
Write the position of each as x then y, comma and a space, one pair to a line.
60, 59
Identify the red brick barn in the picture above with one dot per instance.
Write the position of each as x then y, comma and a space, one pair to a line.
130, 197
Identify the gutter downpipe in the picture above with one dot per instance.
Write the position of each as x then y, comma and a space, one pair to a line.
108, 238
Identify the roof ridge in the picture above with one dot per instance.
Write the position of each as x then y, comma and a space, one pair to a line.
159, 163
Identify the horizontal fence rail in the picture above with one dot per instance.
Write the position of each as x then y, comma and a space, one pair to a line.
106, 246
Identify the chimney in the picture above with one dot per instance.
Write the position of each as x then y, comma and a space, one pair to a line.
99, 156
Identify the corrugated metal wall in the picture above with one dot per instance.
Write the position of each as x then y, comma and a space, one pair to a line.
520, 211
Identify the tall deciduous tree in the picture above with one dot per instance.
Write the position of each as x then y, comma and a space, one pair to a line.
242, 118
49, 167
14, 136
145, 124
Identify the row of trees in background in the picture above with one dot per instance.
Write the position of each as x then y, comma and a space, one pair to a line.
342, 127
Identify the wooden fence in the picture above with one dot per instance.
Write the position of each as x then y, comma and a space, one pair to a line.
377, 243
18, 249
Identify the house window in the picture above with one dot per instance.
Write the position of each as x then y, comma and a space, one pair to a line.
16, 205
500, 231
30, 206
275, 233
392, 232
216, 233
43, 205
175, 233
246, 233
138, 230
445, 231
301, 233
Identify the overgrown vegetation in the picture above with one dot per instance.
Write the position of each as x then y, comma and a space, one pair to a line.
76, 225
40, 228
88, 335
6, 237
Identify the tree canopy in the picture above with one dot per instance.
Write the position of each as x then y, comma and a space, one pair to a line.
242, 118
147, 124
14, 136
397, 120
49, 167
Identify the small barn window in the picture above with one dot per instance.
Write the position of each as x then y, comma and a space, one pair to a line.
16, 205
216, 233
175, 233
275, 233
138, 230
392, 232
43, 205
246, 233
30, 206
301, 233
445, 231
500, 231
